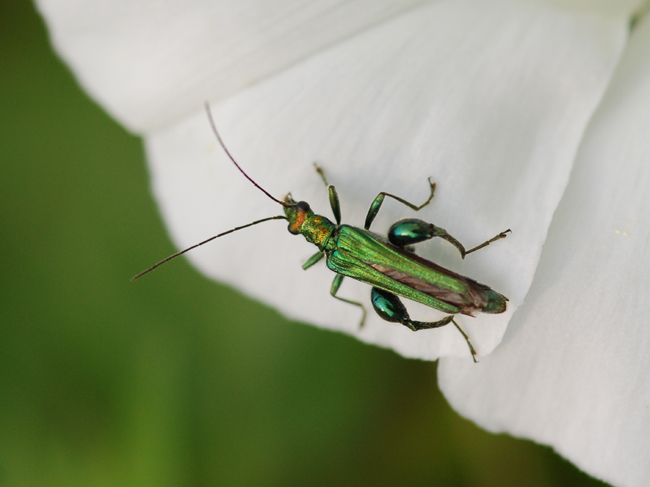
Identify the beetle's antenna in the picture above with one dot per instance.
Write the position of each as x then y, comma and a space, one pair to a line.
173, 256
214, 129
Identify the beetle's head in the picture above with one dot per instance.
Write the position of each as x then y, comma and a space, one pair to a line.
297, 213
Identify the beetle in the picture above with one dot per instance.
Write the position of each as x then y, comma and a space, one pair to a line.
388, 264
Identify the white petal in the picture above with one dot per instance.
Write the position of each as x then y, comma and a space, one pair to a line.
489, 100
606, 7
150, 62
573, 370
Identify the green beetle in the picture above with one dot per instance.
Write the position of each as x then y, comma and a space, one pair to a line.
388, 264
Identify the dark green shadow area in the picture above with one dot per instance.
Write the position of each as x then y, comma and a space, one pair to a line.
180, 381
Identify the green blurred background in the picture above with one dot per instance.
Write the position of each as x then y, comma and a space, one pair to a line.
180, 381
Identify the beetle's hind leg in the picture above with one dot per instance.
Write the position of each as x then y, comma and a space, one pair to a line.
488, 242
390, 308
469, 344
411, 231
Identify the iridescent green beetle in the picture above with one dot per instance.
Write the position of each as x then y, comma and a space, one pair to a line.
389, 264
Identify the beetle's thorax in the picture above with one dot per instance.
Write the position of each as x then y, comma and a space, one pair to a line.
302, 220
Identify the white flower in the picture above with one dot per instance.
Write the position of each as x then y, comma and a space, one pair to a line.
530, 115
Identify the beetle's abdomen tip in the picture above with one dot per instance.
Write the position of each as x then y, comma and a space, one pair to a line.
497, 303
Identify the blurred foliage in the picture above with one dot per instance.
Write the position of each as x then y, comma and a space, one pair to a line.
179, 381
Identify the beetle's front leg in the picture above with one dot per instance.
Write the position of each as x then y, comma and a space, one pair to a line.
313, 260
333, 195
390, 308
336, 284
411, 231
376, 204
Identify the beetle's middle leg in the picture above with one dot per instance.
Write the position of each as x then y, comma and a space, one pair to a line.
336, 284
390, 308
376, 204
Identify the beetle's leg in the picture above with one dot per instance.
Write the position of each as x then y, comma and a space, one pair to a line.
442, 233
376, 204
419, 325
488, 242
336, 284
333, 195
313, 260
411, 231
334, 203
469, 344
321, 173
390, 308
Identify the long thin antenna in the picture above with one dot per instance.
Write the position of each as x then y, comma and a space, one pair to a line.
173, 256
216, 132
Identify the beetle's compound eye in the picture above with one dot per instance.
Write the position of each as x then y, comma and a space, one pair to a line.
302, 206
